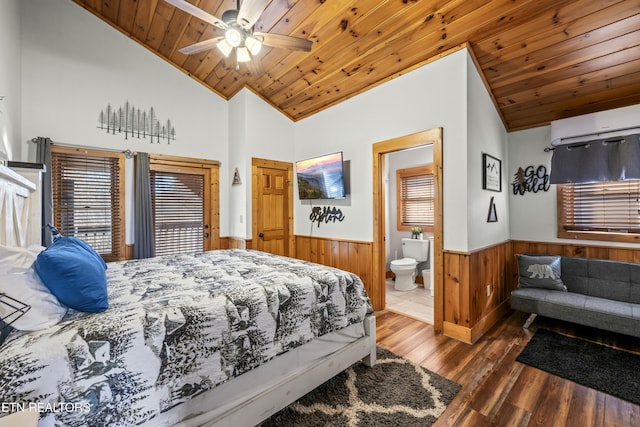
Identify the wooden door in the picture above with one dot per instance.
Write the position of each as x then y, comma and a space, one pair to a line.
185, 204
272, 207
179, 197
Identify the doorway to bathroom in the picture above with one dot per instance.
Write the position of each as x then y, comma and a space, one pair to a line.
409, 215
427, 148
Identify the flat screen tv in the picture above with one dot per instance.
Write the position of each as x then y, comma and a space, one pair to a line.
321, 177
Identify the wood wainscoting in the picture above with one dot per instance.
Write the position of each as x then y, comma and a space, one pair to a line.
469, 311
571, 249
352, 256
469, 308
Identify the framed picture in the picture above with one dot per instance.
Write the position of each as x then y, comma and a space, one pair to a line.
491, 173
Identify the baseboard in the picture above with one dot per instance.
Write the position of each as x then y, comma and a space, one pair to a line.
128, 251
487, 322
471, 335
460, 333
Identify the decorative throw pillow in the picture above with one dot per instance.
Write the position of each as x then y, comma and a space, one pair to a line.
540, 271
21, 282
74, 273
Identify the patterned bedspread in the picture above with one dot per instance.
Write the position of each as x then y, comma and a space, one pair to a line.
176, 327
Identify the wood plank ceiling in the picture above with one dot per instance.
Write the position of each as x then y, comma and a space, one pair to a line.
542, 60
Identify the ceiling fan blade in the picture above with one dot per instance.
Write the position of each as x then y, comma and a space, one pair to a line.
289, 42
255, 67
250, 11
198, 13
200, 46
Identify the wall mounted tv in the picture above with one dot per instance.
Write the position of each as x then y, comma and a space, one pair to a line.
321, 177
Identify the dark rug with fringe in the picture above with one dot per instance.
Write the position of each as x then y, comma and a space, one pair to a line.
395, 392
602, 368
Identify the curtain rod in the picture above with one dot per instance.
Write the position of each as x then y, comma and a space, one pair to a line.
127, 153
561, 141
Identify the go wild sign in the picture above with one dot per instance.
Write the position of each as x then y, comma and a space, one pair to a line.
531, 179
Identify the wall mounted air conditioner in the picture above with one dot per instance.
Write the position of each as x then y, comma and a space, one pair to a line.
604, 124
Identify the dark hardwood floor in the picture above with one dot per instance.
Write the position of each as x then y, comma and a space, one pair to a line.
497, 390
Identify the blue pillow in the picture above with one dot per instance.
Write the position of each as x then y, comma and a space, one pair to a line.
75, 274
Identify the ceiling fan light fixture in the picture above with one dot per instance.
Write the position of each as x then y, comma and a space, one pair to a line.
254, 45
233, 36
224, 47
242, 54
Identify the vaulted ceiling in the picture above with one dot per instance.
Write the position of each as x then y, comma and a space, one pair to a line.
541, 60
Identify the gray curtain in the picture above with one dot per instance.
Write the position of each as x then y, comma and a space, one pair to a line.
609, 159
143, 217
43, 155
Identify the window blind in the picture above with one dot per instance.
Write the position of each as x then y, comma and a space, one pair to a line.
178, 211
416, 194
610, 207
86, 200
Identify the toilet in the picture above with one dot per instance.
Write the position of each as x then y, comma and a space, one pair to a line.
413, 251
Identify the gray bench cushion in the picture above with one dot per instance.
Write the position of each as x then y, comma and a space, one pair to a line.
601, 293
614, 280
591, 311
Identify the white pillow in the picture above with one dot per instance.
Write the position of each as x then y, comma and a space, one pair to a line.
20, 281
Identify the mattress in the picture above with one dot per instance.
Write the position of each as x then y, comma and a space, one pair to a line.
177, 327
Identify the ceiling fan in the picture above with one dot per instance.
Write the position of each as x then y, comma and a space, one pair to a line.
238, 35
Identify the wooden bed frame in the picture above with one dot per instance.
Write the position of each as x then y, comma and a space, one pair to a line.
21, 211
265, 398
270, 397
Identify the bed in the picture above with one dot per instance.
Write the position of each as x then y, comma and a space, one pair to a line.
216, 338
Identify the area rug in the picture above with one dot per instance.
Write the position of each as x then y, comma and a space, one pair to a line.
395, 392
602, 368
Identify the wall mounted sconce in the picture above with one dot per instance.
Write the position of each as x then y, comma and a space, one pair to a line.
236, 178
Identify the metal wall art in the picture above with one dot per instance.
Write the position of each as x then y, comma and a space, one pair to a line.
531, 179
136, 123
326, 215
492, 216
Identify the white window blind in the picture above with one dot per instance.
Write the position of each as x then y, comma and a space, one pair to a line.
602, 207
87, 200
416, 198
178, 210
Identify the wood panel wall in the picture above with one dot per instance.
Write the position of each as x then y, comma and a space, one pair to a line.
468, 311
577, 250
352, 256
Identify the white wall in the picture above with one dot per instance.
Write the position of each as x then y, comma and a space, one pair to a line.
10, 80
534, 215
485, 134
447, 93
74, 65
428, 97
269, 136
256, 130
238, 201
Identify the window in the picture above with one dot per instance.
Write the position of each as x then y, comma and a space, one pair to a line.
178, 212
88, 198
600, 211
415, 198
